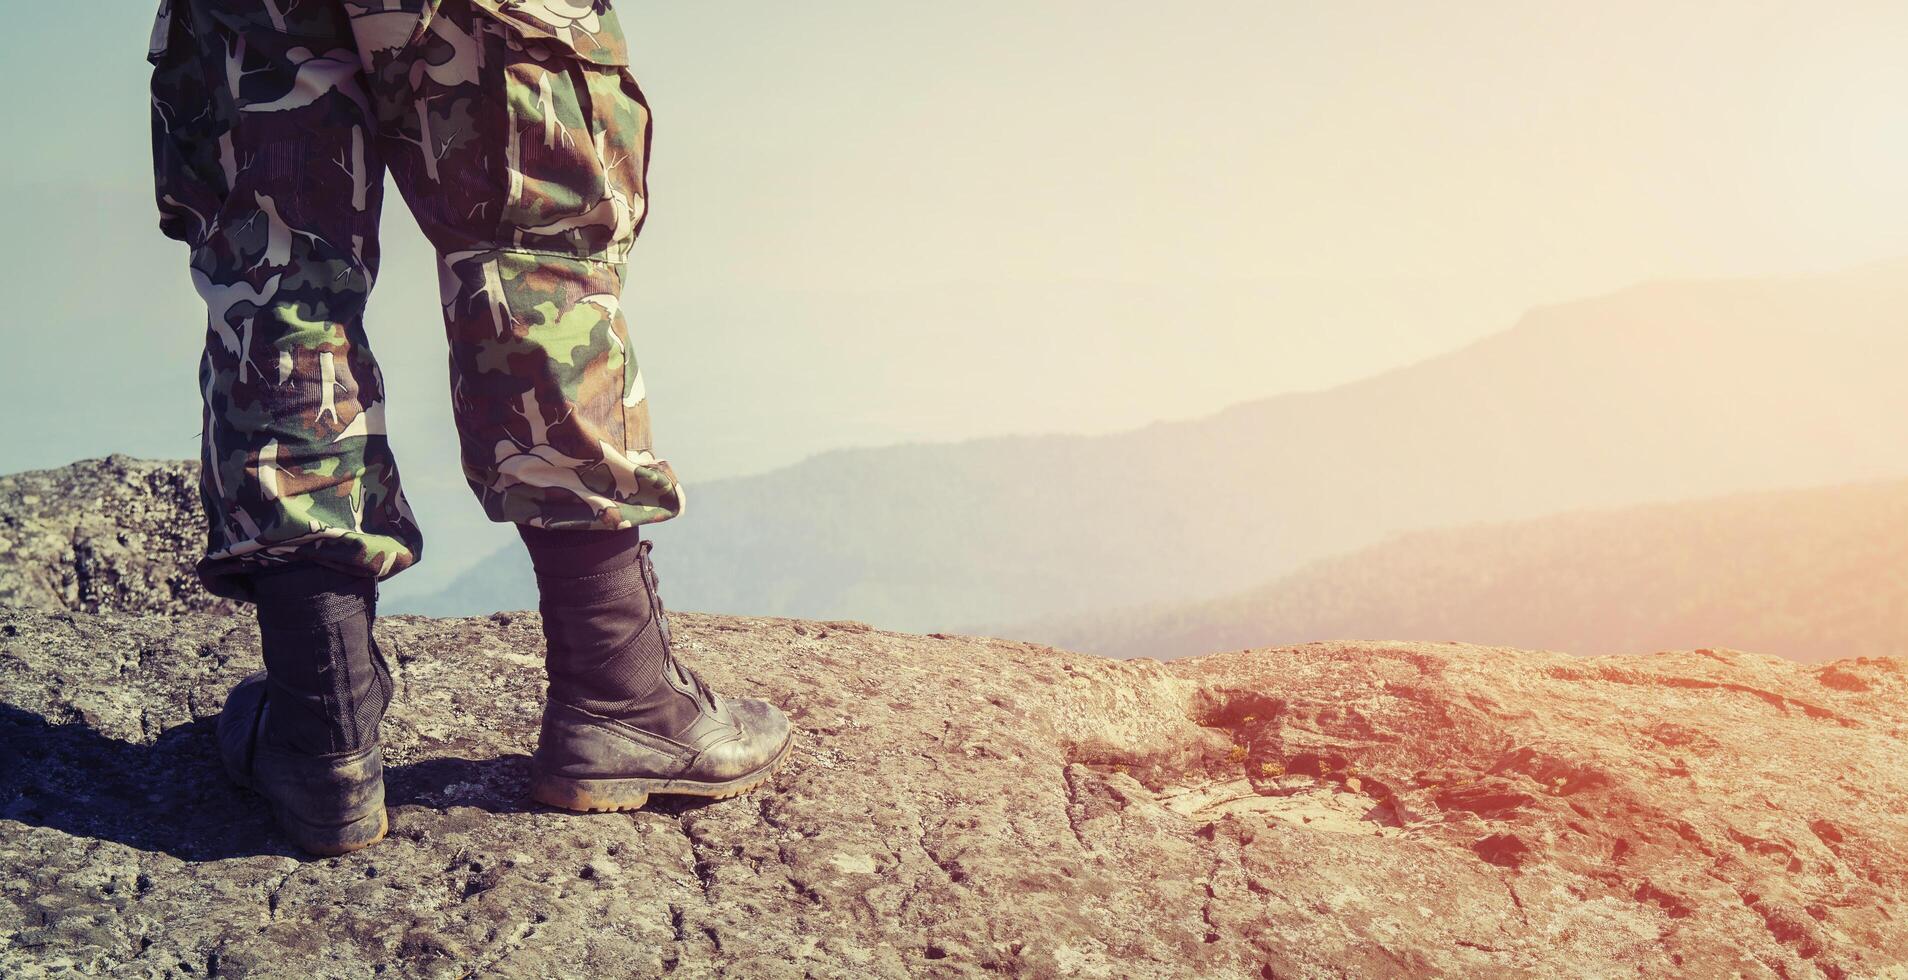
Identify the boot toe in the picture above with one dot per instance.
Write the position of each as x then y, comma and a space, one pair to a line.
763, 737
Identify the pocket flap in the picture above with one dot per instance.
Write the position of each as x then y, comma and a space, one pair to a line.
592, 34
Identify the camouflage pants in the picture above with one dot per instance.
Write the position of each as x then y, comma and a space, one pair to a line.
520, 141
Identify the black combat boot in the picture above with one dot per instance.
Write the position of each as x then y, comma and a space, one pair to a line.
303, 733
624, 718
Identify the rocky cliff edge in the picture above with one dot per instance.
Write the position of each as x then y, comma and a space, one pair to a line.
956, 805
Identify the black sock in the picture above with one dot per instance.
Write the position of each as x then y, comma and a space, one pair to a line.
328, 684
607, 638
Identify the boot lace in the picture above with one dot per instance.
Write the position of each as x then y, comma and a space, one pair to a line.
685, 675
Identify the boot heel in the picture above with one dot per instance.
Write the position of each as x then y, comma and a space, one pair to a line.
588, 795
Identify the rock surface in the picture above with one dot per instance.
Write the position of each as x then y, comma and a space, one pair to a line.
960, 806
114, 533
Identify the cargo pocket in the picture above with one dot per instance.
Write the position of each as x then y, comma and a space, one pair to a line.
294, 118
572, 139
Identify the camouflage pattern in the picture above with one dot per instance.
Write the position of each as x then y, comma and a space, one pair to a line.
519, 139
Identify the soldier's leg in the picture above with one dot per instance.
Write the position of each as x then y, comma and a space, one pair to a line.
267, 167
520, 141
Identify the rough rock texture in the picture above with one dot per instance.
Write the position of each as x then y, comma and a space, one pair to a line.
960, 806
114, 533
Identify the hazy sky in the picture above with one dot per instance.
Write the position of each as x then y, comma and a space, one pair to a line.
878, 222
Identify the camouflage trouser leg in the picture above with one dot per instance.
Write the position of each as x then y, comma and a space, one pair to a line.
520, 141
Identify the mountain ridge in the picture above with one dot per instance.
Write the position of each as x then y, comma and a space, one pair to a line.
1807, 574
1656, 392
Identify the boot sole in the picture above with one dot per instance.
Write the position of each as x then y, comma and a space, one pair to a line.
613, 795
334, 841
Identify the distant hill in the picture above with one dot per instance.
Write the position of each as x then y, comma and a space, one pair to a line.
1659, 392
1811, 575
